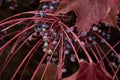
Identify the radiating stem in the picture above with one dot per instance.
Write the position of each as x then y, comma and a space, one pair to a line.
30, 52
87, 54
6, 44
107, 44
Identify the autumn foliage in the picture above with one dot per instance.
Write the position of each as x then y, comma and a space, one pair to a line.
63, 32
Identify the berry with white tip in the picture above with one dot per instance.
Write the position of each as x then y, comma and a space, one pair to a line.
61, 34
42, 14
35, 33
54, 42
45, 44
45, 26
51, 7
95, 28
64, 70
112, 54
43, 29
44, 7
75, 40
72, 58
30, 38
38, 29
90, 38
52, 30
68, 46
72, 28
84, 33
54, 60
102, 41
54, 34
66, 52
45, 38
40, 33
113, 64
119, 60
68, 31
58, 66
44, 49
46, 34
106, 24
83, 43
103, 34
54, 3
108, 36
50, 51
99, 31
11, 7
81, 60
94, 42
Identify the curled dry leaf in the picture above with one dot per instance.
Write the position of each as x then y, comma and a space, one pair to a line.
90, 71
91, 12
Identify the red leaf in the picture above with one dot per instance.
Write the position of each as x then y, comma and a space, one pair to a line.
90, 12
90, 71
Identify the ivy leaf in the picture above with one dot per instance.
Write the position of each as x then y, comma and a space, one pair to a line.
91, 12
90, 71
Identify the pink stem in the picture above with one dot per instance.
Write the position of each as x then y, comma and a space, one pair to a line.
15, 20
107, 60
5, 64
8, 27
116, 71
94, 53
69, 40
98, 51
87, 54
30, 52
49, 60
16, 15
6, 44
38, 67
110, 50
60, 60
9, 34
12, 48
29, 60
107, 44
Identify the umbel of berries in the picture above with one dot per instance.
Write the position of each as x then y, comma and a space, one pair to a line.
63, 40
